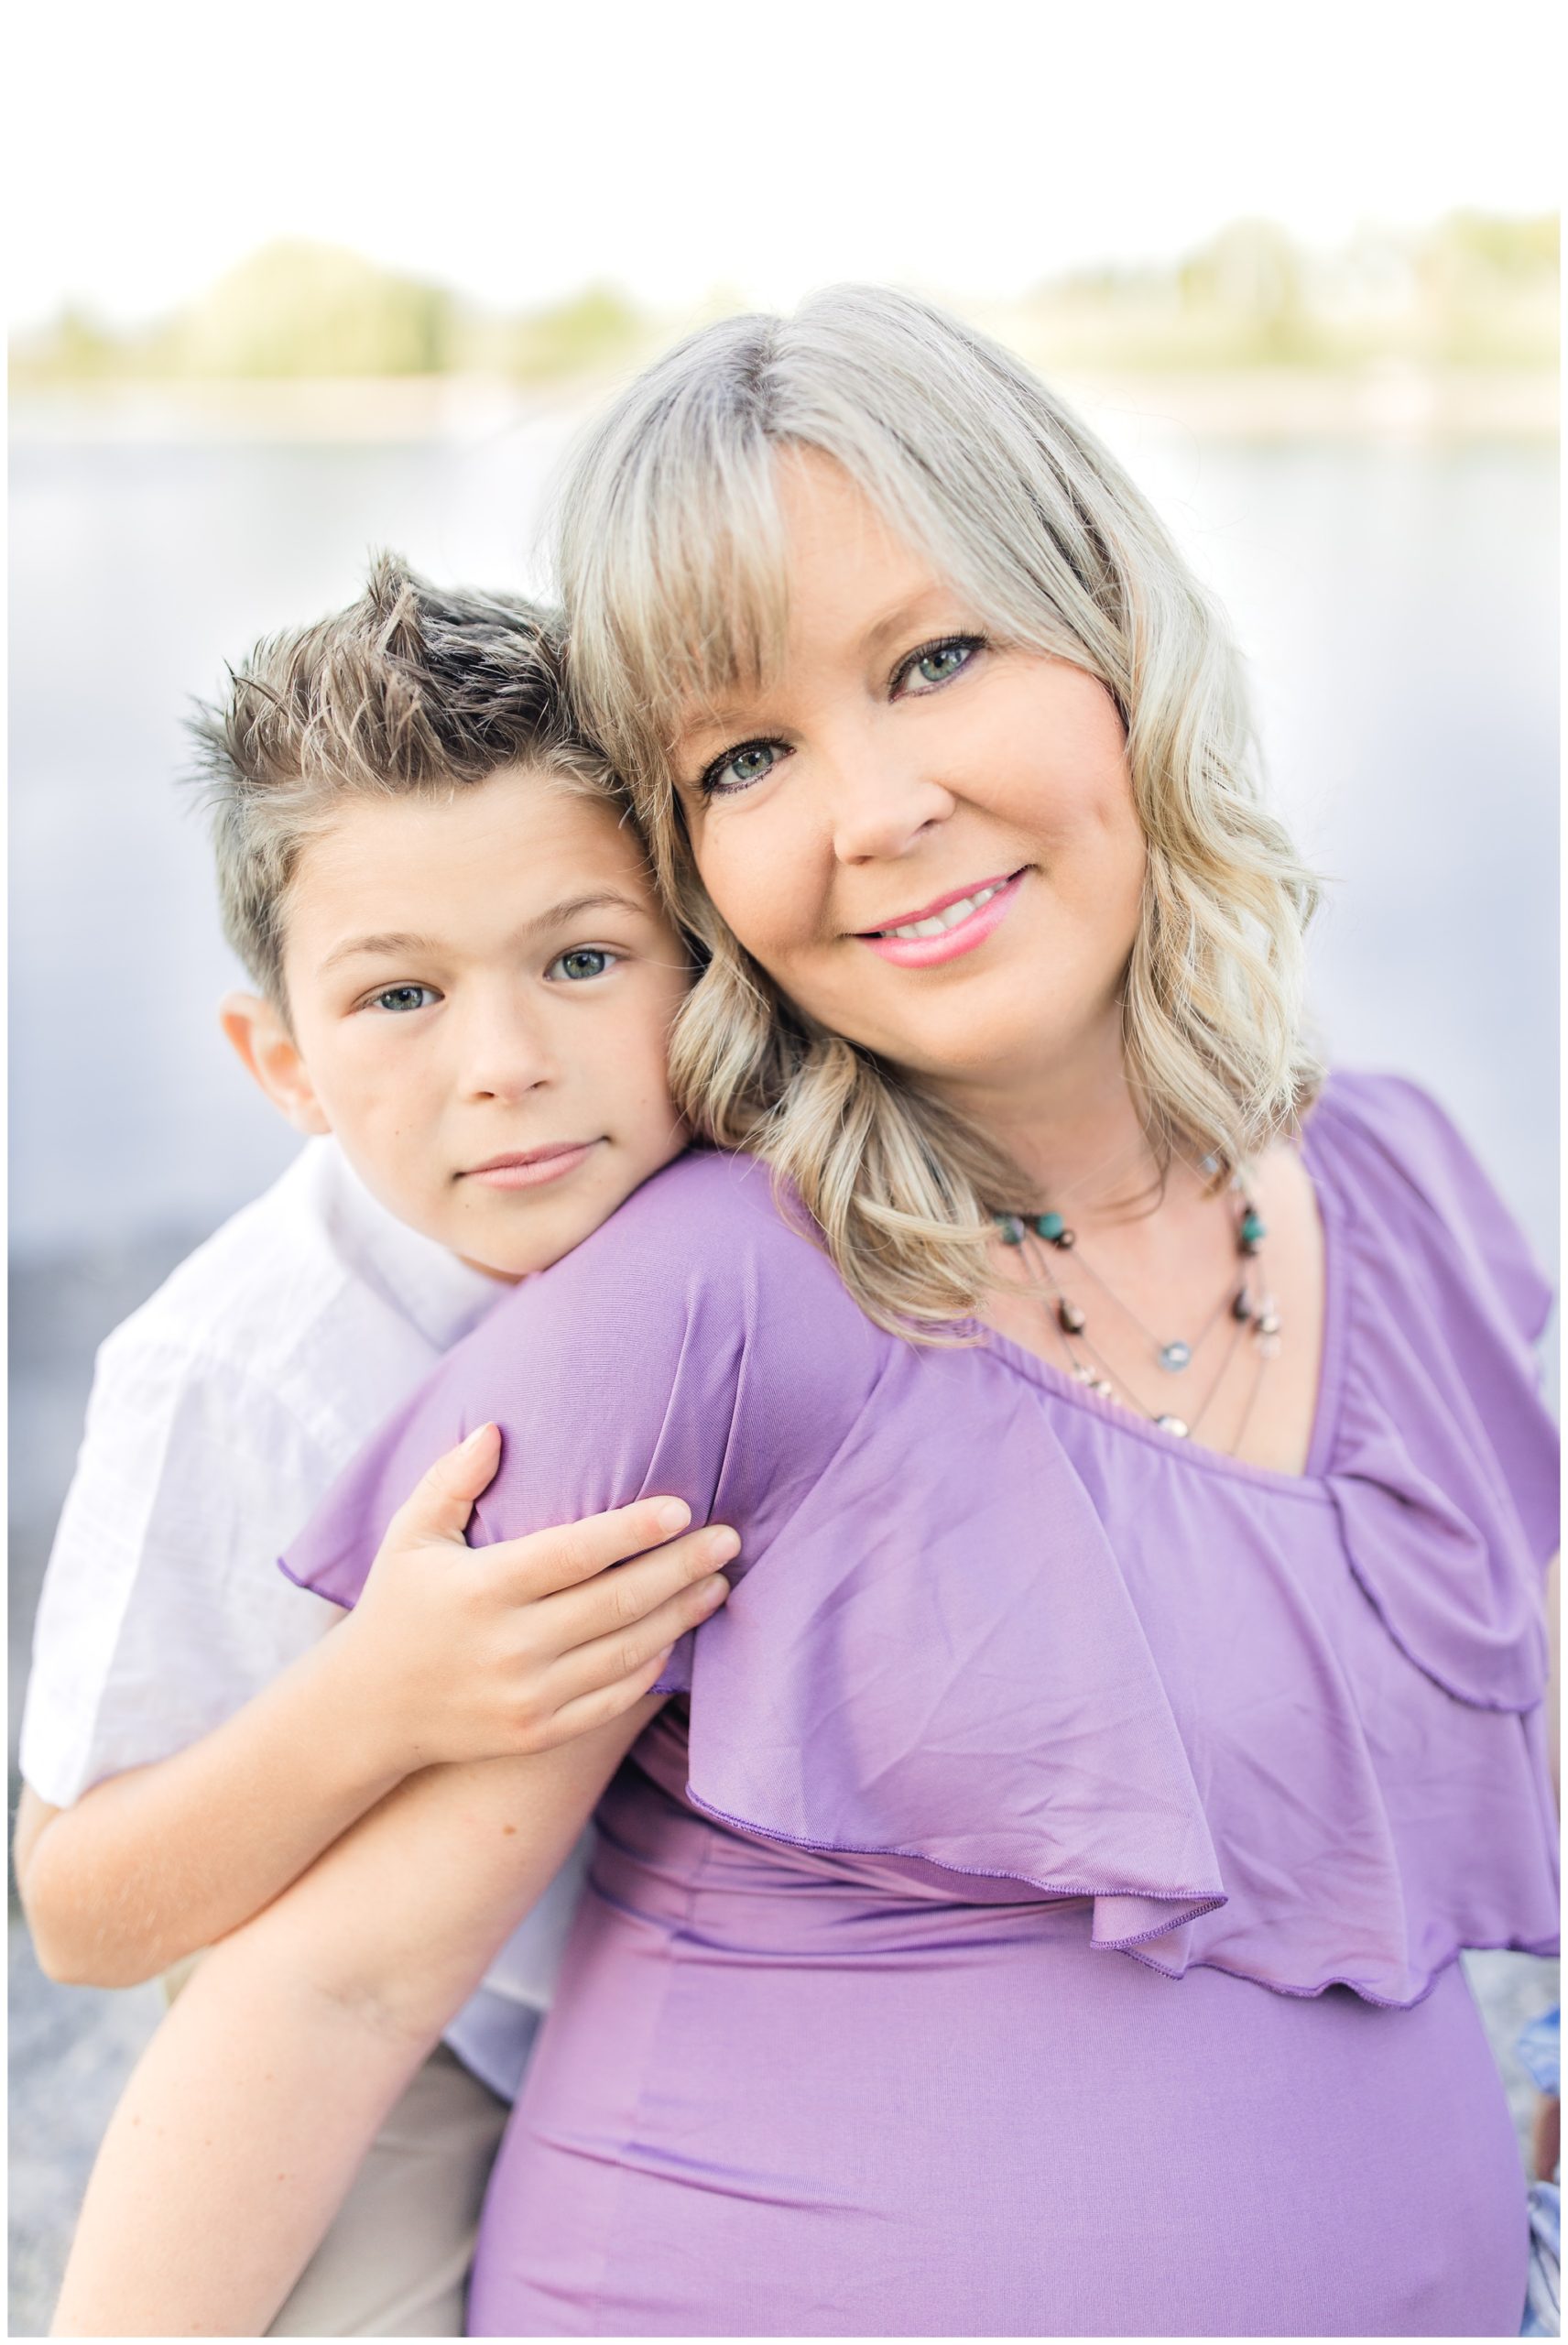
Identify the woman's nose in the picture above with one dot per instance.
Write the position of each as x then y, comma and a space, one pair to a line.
880, 807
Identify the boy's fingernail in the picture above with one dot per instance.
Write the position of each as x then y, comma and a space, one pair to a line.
723, 1545
477, 1435
672, 1514
714, 1591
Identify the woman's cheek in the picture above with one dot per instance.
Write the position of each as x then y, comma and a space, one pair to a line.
730, 875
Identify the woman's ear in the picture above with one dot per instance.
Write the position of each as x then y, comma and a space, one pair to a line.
259, 1035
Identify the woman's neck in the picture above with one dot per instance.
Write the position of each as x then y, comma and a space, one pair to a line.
1077, 1132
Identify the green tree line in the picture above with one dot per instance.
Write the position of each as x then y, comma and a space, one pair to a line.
1474, 290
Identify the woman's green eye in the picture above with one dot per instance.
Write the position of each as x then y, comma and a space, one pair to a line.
942, 660
399, 998
740, 768
584, 961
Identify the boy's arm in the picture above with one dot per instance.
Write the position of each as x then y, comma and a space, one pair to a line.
245, 2120
451, 1655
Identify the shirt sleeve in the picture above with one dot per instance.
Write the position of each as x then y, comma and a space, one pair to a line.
1423, 1140
1454, 1306
159, 1615
698, 1346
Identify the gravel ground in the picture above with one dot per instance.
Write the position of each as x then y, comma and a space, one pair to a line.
71, 2050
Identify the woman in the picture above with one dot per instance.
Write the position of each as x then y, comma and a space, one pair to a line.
1039, 1915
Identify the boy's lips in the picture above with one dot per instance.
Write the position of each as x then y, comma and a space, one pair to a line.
530, 1168
955, 923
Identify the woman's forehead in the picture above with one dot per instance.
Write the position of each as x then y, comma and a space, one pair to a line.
825, 511
707, 592
855, 632
834, 577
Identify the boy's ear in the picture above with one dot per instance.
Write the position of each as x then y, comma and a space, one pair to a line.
269, 1054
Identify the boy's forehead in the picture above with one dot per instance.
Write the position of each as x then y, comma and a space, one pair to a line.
515, 847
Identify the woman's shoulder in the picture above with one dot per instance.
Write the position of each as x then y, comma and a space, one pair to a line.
707, 1242
699, 1343
1398, 1160
703, 1210
703, 1304
1404, 1124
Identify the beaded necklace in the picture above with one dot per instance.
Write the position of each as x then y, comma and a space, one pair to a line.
1250, 1310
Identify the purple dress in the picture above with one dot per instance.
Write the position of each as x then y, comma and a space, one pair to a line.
1037, 1913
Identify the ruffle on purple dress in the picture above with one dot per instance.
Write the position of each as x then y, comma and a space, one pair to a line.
991, 1624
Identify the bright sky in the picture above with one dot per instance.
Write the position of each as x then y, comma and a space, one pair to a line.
521, 148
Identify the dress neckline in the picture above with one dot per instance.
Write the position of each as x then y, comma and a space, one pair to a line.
1312, 1481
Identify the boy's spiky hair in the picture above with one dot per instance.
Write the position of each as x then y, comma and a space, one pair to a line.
413, 688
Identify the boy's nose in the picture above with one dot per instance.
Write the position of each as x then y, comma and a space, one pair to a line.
507, 1055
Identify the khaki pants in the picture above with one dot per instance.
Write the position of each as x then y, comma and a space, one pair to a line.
394, 2262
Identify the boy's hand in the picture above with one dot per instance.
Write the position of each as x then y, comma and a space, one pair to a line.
489, 1653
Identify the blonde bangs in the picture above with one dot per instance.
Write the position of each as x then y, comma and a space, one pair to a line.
677, 546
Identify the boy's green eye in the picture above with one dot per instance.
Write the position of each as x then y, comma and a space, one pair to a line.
398, 998
584, 961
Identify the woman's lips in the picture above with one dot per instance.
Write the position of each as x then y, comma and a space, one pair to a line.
531, 1168
925, 952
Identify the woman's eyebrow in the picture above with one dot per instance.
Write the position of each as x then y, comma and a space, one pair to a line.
903, 616
721, 718
712, 719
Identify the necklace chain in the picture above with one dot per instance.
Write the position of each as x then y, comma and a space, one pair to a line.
1042, 1235
1108, 1381
1161, 1344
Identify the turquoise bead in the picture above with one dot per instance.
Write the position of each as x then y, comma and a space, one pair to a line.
1011, 1227
1252, 1228
1049, 1226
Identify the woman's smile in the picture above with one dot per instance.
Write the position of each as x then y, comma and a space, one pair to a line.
953, 925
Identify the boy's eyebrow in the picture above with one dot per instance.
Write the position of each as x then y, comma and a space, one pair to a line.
605, 899
396, 943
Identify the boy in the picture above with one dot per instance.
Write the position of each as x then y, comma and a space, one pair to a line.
466, 981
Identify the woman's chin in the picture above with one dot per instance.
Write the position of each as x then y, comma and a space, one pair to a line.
1008, 1026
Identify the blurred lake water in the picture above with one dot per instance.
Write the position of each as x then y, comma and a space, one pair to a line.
1396, 600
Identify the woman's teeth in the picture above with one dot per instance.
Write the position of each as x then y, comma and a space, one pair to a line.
949, 917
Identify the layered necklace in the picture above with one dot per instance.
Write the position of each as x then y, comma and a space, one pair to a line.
1244, 1313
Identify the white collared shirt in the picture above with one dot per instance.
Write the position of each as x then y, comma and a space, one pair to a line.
221, 1413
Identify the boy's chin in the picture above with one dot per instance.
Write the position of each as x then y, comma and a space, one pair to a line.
509, 1254
493, 1270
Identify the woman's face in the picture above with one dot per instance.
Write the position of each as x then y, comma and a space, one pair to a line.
926, 837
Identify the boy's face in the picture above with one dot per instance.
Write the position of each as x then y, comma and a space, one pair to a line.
480, 987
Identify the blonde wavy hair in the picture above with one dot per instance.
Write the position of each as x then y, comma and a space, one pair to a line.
672, 566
